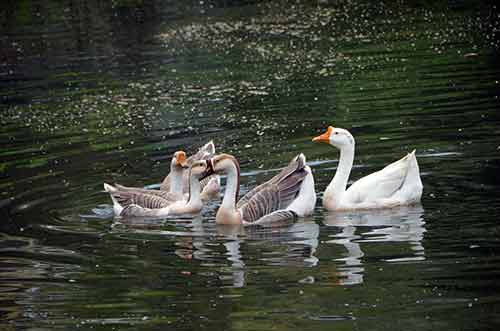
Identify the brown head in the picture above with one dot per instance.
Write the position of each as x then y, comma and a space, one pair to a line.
221, 163
200, 169
178, 161
180, 158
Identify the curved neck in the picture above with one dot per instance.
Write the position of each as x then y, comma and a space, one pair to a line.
232, 187
176, 180
194, 190
337, 186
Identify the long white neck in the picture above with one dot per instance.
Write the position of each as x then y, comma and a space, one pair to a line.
194, 191
232, 188
176, 180
337, 187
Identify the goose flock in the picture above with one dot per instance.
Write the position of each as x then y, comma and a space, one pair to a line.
290, 194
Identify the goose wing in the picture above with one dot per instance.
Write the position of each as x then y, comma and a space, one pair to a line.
204, 182
144, 200
274, 195
170, 196
382, 184
296, 164
277, 217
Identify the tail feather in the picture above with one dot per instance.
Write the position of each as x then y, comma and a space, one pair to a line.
412, 190
109, 188
209, 147
301, 159
117, 208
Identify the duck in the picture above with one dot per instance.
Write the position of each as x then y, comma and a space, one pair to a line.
288, 195
128, 203
397, 184
178, 181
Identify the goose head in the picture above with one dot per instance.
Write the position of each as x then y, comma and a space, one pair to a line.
178, 161
201, 169
222, 163
340, 138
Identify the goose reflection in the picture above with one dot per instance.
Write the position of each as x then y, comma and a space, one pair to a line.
289, 245
404, 224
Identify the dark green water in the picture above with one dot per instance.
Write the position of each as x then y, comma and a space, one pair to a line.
93, 92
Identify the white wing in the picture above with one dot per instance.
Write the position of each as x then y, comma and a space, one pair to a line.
382, 184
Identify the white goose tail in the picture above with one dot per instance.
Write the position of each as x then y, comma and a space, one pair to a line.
117, 208
412, 188
305, 201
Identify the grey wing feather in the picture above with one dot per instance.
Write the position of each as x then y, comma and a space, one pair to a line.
296, 164
277, 217
165, 195
127, 198
131, 210
272, 197
205, 181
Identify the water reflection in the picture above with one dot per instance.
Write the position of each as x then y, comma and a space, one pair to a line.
231, 250
404, 224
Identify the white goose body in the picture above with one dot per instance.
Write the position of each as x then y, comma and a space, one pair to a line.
287, 195
397, 184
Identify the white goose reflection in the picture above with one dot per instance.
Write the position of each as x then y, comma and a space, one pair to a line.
404, 224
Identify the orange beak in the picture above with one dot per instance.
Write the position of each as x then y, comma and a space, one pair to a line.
325, 137
180, 158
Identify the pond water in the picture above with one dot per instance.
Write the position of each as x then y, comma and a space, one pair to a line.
94, 93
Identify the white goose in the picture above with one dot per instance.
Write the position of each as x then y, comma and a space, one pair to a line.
395, 185
287, 195
144, 204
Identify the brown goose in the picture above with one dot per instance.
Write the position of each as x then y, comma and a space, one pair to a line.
204, 153
175, 189
177, 181
287, 195
135, 203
